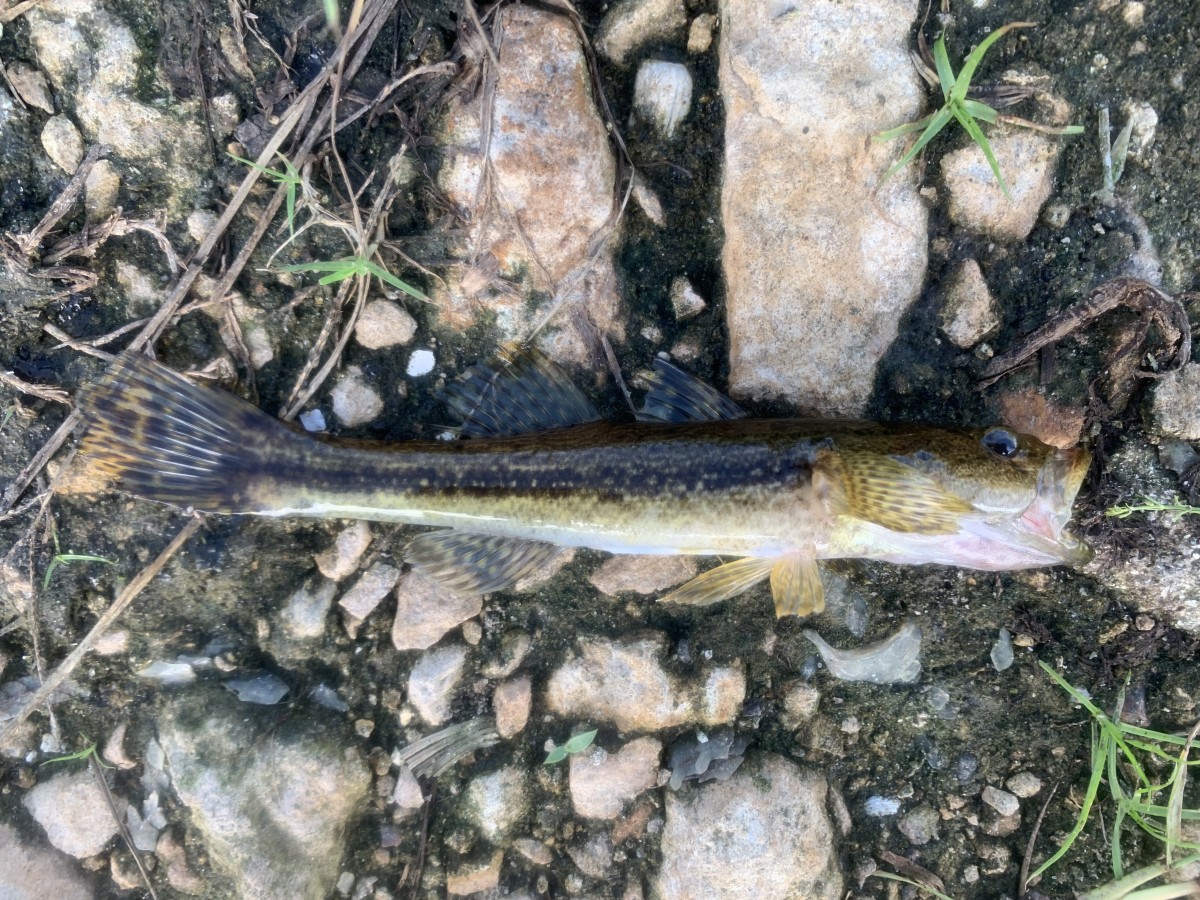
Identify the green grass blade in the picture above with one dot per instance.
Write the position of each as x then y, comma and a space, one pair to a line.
925, 889
62, 559
936, 124
1120, 889
1085, 808
944, 70
384, 275
972, 128
963, 81
900, 131
982, 111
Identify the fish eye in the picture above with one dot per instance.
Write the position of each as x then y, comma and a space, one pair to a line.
1001, 441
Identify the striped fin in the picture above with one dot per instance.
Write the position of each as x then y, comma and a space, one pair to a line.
676, 396
156, 435
476, 563
518, 392
796, 586
722, 582
888, 492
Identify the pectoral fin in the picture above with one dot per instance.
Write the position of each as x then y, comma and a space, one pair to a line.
796, 586
476, 563
888, 492
722, 582
675, 396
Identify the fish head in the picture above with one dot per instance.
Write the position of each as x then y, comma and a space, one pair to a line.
983, 498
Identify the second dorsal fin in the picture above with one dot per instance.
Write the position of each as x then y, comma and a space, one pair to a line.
675, 396
518, 392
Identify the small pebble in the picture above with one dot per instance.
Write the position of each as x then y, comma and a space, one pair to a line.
420, 363
1024, 784
1002, 802
63, 144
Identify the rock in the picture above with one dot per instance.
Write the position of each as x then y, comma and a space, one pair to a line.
919, 825
1176, 405
810, 225
426, 611
970, 313
200, 223
1024, 784
642, 574
555, 170
602, 783
72, 810
511, 704
270, 798
475, 879
421, 362
366, 593
800, 704
649, 202
624, 683
631, 24
88, 53
354, 401
497, 803
101, 189
662, 95
432, 682
764, 833
30, 872
700, 34
1026, 159
384, 324
1145, 126
348, 547
534, 851
513, 648
63, 143
1029, 412
31, 86
1002, 802
594, 856
408, 794
303, 616
179, 874
684, 300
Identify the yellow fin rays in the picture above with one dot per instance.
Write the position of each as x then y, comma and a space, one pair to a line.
795, 584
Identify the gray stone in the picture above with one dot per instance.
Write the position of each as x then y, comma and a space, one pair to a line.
30, 872
348, 547
553, 172
101, 189
426, 611
662, 95
477, 878
269, 798
384, 324
432, 682
700, 33
631, 24
72, 810
511, 704
919, 825
63, 143
1176, 405
1001, 801
367, 593
764, 833
1027, 160
498, 802
684, 300
1024, 784
602, 783
303, 616
642, 574
822, 257
354, 401
970, 313
625, 683
31, 86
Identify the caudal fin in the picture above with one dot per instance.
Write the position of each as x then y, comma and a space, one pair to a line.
156, 435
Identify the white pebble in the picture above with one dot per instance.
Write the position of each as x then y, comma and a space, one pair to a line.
420, 363
313, 420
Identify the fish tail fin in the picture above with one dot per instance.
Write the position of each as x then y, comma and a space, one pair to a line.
156, 435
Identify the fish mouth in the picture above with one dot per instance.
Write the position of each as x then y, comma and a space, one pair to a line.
1042, 528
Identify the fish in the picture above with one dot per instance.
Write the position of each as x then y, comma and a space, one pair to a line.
535, 470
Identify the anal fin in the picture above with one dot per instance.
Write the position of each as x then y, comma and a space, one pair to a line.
796, 586
476, 563
722, 582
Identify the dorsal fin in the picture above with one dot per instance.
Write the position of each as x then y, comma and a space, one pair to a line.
518, 392
675, 396
476, 563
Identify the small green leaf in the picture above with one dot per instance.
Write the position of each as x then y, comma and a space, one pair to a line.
963, 82
942, 61
972, 128
581, 741
63, 559
557, 755
979, 110
936, 124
